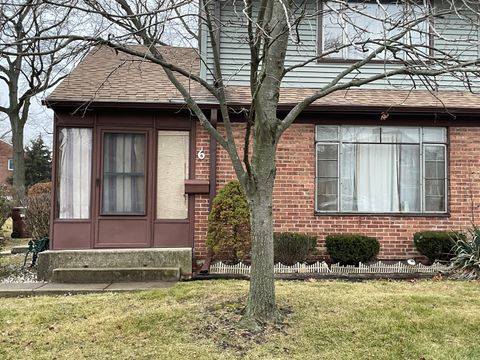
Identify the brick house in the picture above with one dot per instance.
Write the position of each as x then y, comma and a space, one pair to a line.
134, 169
6, 161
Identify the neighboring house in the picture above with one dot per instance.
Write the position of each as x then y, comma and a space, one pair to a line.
134, 169
6, 161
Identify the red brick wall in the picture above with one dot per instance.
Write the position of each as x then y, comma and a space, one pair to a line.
293, 206
6, 152
201, 201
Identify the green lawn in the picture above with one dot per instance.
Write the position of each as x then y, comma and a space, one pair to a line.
195, 320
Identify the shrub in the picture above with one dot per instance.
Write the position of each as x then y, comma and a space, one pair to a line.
466, 259
291, 247
435, 245
351, 249
40, 188
37, 212
5, 205
228, 234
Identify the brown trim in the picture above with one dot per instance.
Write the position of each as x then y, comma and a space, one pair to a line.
344, 109
192, 174
171, 221
212, 169
193, 186
53, 198
75, 105
76, 221
212, 176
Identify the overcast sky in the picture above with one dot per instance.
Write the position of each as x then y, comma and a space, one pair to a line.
40, 121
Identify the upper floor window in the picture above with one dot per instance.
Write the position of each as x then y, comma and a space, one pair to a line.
353, 29
10, 164
381, 169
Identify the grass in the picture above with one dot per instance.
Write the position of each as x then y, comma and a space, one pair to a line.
195, 320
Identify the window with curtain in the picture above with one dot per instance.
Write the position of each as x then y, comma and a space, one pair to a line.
358, 27
74, 169
380, 169
123, 174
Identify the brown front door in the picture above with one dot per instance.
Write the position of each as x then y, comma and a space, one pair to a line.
122, 206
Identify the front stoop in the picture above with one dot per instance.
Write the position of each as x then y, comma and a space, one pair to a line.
106, 275
114, 264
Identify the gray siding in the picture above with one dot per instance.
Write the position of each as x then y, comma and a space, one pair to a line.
456, 36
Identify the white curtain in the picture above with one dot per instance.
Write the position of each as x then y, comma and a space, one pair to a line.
377, 178
74, 173
380, 178
124, 174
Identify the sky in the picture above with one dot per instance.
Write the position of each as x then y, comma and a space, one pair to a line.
40, 120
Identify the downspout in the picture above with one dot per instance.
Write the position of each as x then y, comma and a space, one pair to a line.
212, 173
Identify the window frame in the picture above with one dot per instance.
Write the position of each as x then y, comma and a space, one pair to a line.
445, 178
421, 144
10, 164
347, 60
101, 210
57, 217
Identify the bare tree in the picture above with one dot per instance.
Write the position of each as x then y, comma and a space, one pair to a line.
30, 63
375, 31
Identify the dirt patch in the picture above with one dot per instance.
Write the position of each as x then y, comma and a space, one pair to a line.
12, 270
222, 325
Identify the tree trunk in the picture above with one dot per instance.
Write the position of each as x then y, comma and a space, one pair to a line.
18, 155
261, 305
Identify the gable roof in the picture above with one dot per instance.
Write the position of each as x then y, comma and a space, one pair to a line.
105, 76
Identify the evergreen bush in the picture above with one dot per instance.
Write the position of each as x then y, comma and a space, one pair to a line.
228, 234
292, 247
436, 245
351, 249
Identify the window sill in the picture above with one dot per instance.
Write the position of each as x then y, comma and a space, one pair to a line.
413, 215
376, 62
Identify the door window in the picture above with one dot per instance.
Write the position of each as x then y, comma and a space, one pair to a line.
123, 174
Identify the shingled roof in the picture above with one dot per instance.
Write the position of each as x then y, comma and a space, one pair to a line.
105, 76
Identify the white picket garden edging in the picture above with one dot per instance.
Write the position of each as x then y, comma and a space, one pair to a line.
322, 268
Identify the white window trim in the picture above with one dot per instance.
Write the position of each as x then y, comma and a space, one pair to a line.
10, 164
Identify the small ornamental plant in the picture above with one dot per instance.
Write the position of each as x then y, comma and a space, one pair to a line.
293, 247
466, 256
436, 245
228, 235
351, 249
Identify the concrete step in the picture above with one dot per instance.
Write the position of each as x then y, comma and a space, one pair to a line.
19, 249
108, 275
178, 258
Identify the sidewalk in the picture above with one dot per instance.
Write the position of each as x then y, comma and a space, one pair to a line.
34, 289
